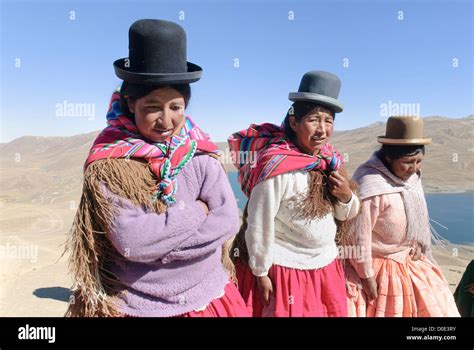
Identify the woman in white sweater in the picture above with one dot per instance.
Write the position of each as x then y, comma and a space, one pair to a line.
286, 253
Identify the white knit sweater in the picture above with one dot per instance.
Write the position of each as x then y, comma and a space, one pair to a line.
276, 235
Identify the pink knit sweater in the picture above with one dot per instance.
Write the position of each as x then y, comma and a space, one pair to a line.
383, 233
393, 217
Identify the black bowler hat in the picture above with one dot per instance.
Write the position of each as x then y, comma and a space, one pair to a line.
157, 55
321, 88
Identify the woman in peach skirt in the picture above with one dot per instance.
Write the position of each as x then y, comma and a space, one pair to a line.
394, 274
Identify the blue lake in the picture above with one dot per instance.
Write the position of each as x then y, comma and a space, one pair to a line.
453, 211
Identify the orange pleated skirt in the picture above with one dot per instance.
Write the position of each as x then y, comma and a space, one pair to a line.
408, 289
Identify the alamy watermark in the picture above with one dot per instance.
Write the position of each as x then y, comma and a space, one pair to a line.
239, 157
352, 252
75, 110
37, 333
19, 252
391, 108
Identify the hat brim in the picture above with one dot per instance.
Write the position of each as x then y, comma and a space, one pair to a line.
327, 101
403, 142
193, 74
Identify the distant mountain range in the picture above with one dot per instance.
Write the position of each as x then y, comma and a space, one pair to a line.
49, 169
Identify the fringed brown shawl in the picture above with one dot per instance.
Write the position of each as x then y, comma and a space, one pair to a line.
96, 290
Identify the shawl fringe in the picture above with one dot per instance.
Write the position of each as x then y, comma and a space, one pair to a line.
96, 291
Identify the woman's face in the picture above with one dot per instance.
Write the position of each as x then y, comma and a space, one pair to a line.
313, 130
406, 166
159, 114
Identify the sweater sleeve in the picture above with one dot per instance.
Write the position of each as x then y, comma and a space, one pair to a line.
144, 236
361, 231
347, 211
263, 207
222, 221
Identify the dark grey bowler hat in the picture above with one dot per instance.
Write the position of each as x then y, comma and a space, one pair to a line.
157, 55
319, 87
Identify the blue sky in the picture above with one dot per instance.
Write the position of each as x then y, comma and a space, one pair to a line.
48, 58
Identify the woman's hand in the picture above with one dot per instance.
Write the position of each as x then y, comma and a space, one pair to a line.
415, 253
370, 288
339, 187
265, 287
204, 206
470, 288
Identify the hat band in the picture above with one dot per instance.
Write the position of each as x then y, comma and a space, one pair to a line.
313, 97
389, 141
193, 74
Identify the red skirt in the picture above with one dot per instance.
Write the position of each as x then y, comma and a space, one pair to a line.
230, 304
296, 293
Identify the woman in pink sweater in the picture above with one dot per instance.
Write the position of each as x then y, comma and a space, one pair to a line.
394, 274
